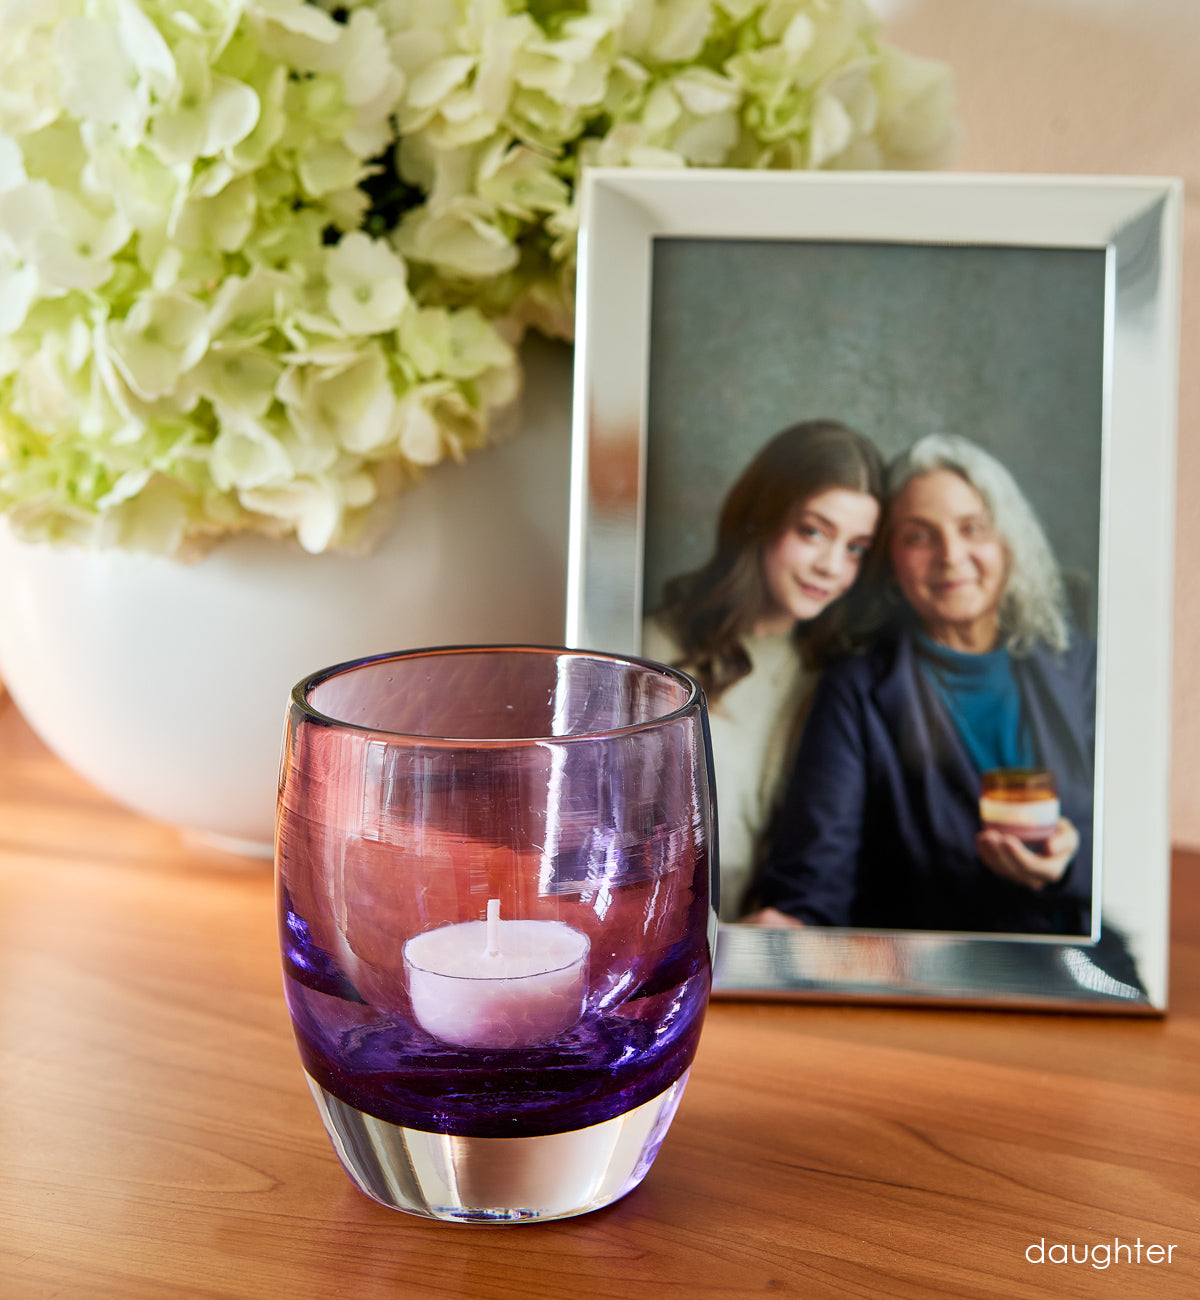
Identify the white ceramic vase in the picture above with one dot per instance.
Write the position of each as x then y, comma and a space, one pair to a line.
165, 684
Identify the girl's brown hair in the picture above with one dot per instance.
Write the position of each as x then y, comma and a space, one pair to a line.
710, 610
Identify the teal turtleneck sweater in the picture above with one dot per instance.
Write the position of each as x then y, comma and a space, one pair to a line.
984, 702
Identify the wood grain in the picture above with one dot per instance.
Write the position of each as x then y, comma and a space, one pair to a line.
159, 1141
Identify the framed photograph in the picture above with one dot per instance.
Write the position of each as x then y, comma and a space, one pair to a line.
886, 461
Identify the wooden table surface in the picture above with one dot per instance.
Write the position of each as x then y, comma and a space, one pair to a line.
158, 1139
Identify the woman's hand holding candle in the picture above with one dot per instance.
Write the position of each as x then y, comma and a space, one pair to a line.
1007, 856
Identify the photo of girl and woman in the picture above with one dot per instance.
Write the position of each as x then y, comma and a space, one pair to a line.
899, 666
855, 717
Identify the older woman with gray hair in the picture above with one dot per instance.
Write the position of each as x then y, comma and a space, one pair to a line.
976, 669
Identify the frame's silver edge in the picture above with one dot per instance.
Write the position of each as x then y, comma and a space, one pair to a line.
1172, 309
1167, 358
926, 968
575, 632
608, 418
1102, 571
1137, 566
1072, 211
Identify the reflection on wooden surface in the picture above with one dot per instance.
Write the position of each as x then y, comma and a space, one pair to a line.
160, 1141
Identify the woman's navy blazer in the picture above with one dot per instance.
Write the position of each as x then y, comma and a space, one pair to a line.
878, 826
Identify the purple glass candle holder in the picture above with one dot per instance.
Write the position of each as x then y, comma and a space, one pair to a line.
494, 873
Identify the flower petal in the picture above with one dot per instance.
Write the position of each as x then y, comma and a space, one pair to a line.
244, 455
232, 114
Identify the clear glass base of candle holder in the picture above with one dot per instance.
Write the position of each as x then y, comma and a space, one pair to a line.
498, 1180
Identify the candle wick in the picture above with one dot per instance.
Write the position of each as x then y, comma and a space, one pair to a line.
493, 928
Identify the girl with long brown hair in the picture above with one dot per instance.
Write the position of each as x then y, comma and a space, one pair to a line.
756, 621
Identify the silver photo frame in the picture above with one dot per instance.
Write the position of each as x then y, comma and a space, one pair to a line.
1040, 312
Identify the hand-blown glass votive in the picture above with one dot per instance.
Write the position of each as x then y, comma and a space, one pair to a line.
493, 878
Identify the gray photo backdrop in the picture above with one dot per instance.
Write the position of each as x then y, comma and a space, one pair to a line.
1002, 345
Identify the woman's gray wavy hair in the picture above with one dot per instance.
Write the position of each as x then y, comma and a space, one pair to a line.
1034, 605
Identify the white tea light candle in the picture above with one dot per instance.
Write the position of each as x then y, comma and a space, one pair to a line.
496, 984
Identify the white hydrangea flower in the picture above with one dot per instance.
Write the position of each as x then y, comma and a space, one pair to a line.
141, 188
295, 18
128, 485
49, 386
520, 181
157, 518
219, 213
245, 455
67, 240
29, 75
207, 112
419, 434
460, 238
270, 85
351, 405
373, 83
916, 112
628, 145
99, 81
146, 48
160, 339
239, 381
567, 70
262, 261
316, 507
460, 344
18, 287
368, 284
246, 308
312, 452
328, 166
18, 276
12, 165
669, 31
